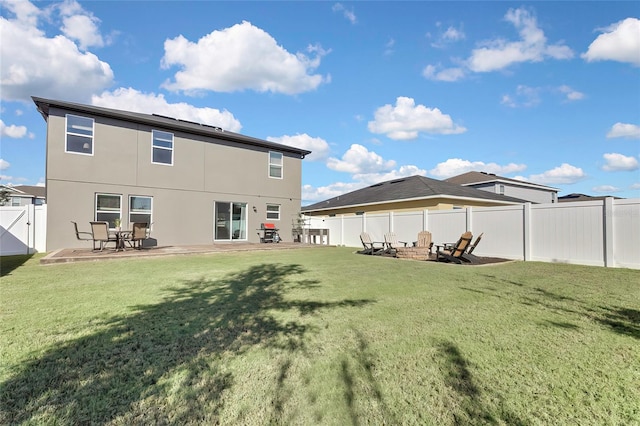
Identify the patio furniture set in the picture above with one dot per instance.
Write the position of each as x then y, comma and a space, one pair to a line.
101, 235
460, 252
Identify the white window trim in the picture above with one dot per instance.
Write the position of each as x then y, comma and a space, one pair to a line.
173, 142
267, 211
95, 206
131, 211
277, 165
66, 132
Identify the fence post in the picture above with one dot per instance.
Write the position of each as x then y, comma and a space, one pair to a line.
526, 231
425, 217
342, 229
607, 222
469, 222
391, 228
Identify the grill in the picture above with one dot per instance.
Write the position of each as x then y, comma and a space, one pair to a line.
268, 233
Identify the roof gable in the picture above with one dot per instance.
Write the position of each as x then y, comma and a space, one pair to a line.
409, 188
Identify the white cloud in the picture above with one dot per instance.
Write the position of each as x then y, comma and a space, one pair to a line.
388, 47
619, 42
359, 160
4, 164
319, 147
525, 96
563, 174
80, 25
402, 171
624, 130
605, 189
617, 162
437, 73
238, 58
406, 120
12, 131
457, 166
448, 36
635, 186
34, 64
532, 47
571, 94
349, 14
312, 194
133, 100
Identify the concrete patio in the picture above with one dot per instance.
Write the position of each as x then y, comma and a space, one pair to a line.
87, 254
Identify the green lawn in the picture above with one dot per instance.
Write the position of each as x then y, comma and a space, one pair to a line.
317, 336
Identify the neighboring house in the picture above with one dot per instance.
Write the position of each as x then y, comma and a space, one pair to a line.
582, 197
23, 195
490, 182
410, 193
194, 183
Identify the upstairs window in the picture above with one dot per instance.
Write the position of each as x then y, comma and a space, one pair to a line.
79, 135
275, 164
273, 212
162, 149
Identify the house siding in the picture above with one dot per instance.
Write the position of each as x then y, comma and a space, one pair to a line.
539, 196
205, 170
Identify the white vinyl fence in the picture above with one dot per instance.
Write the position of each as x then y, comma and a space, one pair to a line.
23, 229
600, 233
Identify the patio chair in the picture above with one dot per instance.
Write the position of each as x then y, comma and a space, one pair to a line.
392, 243
425, 239
138, 234
454, 254
82, 236
100, 234
369, 245
468, 256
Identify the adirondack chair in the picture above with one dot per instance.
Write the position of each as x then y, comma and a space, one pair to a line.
454, 254
425, 239
391, 243
369, 245
468, 256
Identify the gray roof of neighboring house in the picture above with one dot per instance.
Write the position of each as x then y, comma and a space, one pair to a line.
471, 178
406, 189
164, 122
35, 191
582, 197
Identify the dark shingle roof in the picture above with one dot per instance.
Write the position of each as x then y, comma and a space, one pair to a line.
480, 177
582, 197
409, 188
36, 191
164, 122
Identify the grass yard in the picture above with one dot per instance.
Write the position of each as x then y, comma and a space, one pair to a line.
317, 336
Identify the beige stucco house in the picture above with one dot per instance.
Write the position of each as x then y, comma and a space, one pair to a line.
194, 183
408, 194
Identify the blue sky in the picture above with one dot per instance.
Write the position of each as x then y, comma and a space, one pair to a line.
547, 92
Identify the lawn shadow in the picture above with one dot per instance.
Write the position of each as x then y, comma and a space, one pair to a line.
360, 383
621, 320
164, 363
467, 392
9, 263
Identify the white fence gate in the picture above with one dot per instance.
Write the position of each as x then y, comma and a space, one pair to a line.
23, 229
600, 233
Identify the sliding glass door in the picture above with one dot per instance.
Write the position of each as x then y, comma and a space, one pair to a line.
230, 221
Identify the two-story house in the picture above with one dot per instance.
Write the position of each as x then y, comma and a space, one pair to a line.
194, 183
533, 192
